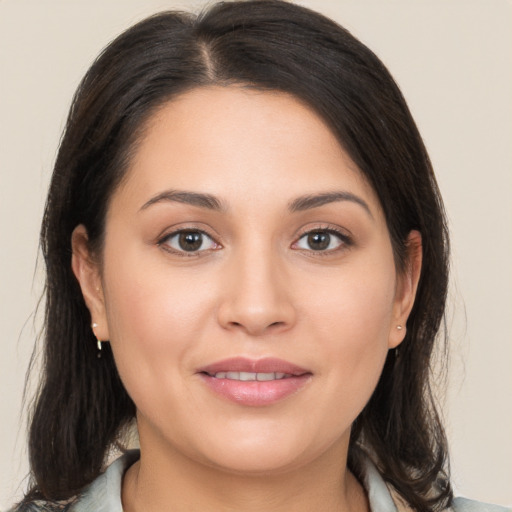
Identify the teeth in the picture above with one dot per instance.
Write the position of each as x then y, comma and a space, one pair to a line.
267, 376
251, 376
247, 376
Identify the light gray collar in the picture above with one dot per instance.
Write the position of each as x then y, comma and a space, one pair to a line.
104, 494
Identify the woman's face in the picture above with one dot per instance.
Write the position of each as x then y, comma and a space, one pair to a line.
248, 287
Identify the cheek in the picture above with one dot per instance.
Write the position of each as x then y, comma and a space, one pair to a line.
354, 304
154, 315
351, 322
145, 294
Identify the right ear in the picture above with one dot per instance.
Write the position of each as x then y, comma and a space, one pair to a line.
87, 271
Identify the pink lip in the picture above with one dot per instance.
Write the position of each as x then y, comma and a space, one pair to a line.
255, 393
266, 365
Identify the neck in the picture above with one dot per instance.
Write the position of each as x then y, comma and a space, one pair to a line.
169, 480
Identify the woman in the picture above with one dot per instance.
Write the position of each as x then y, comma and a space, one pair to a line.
246, 251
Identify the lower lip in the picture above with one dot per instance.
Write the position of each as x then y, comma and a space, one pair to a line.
256, 393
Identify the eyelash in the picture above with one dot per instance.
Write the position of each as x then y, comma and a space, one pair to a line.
163, 242
345, 241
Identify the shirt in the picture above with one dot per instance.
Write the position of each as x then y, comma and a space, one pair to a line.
104, 493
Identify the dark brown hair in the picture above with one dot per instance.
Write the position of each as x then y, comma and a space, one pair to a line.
82, 406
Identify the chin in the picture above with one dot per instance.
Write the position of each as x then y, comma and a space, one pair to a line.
260, 462
272, 451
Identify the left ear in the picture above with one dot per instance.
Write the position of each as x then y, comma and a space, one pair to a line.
407, 284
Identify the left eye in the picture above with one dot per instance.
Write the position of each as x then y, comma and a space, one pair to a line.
320, 241
189, 241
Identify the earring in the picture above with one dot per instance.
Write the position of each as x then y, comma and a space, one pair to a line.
397, 349
98, 341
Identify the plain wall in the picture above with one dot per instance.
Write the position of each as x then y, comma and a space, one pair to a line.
453, 61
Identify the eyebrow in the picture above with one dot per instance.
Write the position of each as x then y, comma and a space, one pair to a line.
310, 201
207, 201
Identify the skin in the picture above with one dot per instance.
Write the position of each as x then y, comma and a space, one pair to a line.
257, 289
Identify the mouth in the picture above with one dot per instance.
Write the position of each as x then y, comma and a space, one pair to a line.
254, 383
243, 368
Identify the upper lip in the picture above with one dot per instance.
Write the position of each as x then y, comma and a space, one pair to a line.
243, 364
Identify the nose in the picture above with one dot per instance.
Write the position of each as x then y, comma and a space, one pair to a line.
256, 295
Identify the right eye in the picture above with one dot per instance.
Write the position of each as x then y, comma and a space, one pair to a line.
189, 241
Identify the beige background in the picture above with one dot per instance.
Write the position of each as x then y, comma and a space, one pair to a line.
453, 60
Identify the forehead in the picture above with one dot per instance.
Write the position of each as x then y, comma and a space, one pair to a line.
232, 140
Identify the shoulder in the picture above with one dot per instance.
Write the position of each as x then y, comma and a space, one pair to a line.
465, 505
102, 495
383, 497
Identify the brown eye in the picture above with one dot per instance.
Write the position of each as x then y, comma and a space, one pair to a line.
321, 240
189, 241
